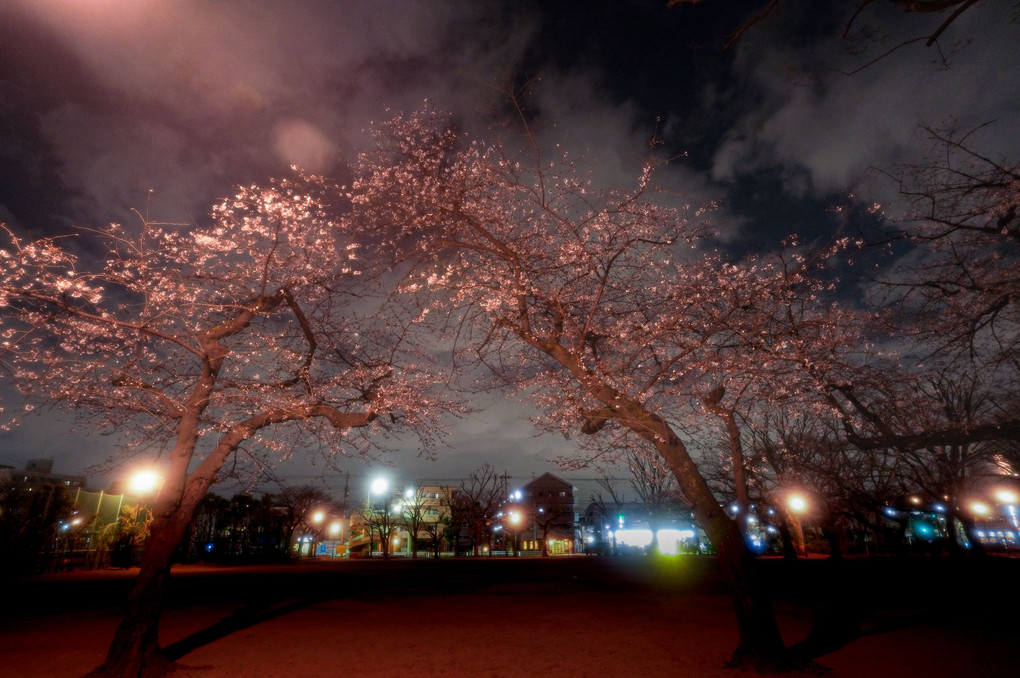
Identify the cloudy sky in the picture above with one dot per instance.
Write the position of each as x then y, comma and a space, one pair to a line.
164, 105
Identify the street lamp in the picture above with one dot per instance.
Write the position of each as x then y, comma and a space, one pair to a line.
316, 519
379, 486
515, 521
143, 482
140, 484
797, 505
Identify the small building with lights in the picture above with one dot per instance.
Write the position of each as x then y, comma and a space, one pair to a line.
549, 518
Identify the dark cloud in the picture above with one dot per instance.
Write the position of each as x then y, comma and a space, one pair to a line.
811, 112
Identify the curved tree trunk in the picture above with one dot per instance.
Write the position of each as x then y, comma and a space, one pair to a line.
135, 650
713, 403
761, 644
789, 547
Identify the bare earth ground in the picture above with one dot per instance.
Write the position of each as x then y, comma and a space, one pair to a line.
501, 620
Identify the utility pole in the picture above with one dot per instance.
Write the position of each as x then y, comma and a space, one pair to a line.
347, 492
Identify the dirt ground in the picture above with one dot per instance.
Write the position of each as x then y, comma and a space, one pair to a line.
509, 620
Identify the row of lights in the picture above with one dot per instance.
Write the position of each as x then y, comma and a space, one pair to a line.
1007, 498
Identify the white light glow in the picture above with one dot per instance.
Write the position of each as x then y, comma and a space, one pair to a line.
1006, 496
796, 503
144, 481
669, 539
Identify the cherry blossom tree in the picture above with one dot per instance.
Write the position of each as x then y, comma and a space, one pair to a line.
602, 306
253, 333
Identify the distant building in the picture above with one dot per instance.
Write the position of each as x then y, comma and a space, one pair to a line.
432, 505
38, 474
549, 520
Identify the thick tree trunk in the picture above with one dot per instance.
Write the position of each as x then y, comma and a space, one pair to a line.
832, 535
713, 402
135, 651
761, 644
789, 547
793, 530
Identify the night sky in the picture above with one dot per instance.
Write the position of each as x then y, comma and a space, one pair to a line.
162, 106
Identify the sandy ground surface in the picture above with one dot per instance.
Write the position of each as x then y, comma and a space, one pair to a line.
564, 622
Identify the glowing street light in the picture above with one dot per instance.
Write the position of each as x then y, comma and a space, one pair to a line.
141, 483
797, 505
379, 486
515, 519
318, 517
144, 482
1006, 496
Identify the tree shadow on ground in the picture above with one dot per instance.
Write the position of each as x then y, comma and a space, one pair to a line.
852, 606
246, 617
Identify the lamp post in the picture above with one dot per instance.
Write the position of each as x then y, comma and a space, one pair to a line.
797, 505
140, 484
515, 520
317, 518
